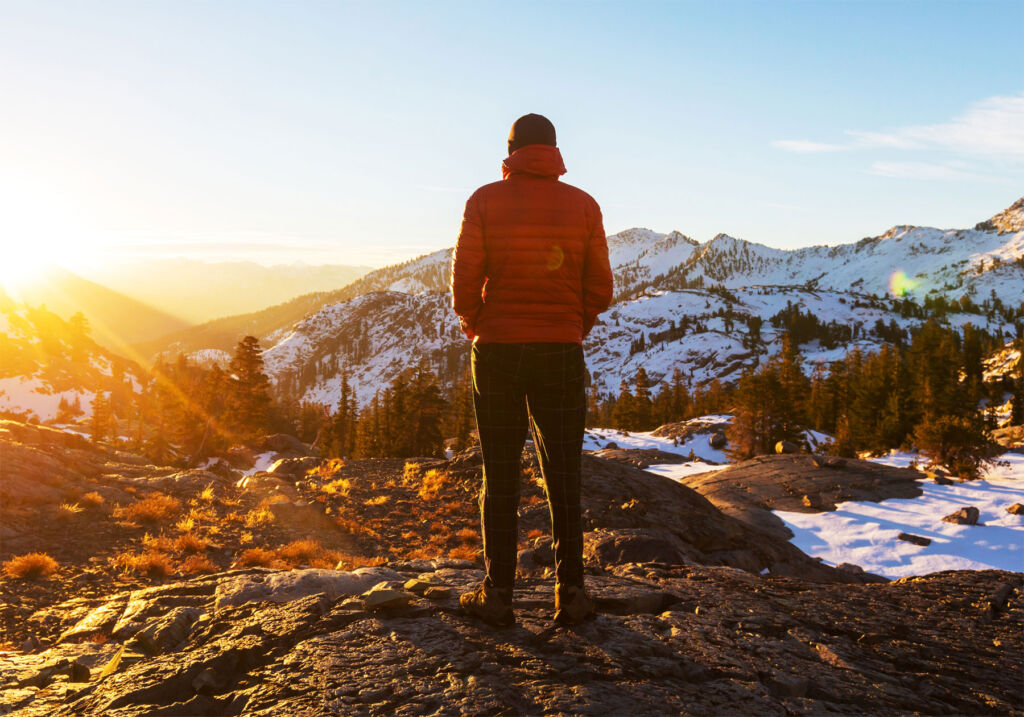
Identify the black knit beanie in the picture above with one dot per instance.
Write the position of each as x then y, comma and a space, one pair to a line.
531, 129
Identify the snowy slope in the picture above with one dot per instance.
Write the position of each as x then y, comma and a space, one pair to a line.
864, 533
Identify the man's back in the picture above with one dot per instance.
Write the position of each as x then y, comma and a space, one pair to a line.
531, 260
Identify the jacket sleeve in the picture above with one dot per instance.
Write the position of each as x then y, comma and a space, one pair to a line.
597, 272
468, 262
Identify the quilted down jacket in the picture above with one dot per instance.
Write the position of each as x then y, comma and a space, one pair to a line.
531, 261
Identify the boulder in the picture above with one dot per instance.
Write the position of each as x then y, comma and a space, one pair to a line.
718, 440
786, 448
266, 484
915, 539
967, 515
1015, 509
284, 443
617, 547
294, 467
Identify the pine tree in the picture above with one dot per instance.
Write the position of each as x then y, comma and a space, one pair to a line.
1017, 408
248, 391
101, 424
624, 413
642, 402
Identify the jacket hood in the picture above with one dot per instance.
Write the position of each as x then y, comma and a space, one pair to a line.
538, 159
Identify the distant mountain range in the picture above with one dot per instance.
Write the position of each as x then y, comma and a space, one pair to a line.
673, 297
198, 291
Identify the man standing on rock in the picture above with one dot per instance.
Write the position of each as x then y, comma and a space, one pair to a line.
530, 275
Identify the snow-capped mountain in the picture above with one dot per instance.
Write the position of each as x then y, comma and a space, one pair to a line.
681, 304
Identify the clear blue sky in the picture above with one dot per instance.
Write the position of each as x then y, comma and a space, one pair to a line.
353, 132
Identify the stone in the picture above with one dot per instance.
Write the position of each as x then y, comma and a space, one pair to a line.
965, 516
439, 592
386, 598
1015, 509
915, 539
265, 484
633, 546
421, 584
718, 440
786, 447
611, 446
284, 443
294, 467
828, 461
79, 672
295, 584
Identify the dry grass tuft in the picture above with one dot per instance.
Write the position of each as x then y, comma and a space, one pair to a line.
351, 562
152, 563
154, 508
159, 543
534, 499
30, 567
92, 499
337, 488
534, 534
468, 535
259, 516
190, 543
207, 494
379, 500
463, 552
306, 552
431, 483
257, 558
66, 511
186, 524
197, 564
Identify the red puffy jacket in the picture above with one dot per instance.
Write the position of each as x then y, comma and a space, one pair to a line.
531, 262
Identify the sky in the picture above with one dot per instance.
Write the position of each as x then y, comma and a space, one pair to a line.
353, 132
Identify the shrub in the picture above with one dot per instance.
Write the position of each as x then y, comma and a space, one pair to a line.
960, 443
300, 551
154, 508
30, 567
159, 542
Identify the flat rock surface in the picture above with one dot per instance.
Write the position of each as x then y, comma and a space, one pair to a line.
667, 640
750, 490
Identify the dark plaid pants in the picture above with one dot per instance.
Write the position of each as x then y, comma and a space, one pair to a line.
517, 387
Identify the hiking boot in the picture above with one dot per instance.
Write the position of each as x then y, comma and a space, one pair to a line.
573, 605
492, 605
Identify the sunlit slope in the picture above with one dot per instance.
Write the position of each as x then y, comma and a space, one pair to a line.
117, 320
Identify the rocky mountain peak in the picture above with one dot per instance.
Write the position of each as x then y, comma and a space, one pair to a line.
1008, 221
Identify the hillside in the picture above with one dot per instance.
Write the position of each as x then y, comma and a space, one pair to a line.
118, 320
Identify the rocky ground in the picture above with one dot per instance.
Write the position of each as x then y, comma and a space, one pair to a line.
330, 587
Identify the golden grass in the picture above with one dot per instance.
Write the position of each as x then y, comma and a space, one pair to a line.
337, 488
431, 483
152, 563
468, 535
259, 516
257, 558
186, 524
379, 500
154, 508
534, 534
300, 551
355, 527
160, 543
351, 562
197, 564
534, 499
190, 543
207, 494
92, 500
68, 510
246, 537
31, 566
463, 552
453, 508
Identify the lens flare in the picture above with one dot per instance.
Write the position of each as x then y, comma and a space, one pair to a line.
900, 284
